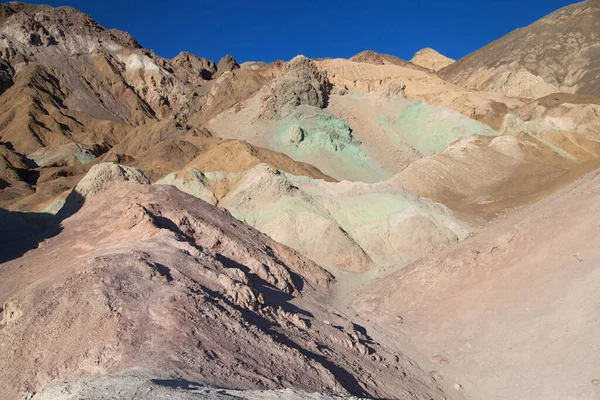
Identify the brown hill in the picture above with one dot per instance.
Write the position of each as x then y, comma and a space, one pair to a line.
558, 53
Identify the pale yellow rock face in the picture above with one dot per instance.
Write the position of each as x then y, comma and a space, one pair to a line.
431, 59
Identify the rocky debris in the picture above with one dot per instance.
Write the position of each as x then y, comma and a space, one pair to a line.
557, 53
11, 165
201, 66
7, 172
136, 385
431, 59
301, 84
395, 89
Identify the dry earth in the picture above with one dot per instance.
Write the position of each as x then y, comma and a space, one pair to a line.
512, 312
134, 190
558, 53
178, 287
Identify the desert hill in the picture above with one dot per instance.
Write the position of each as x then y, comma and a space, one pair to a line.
311, 228
431, 59
557, 53
366, 225
182, 288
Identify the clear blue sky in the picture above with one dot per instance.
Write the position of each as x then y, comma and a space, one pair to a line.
253, 30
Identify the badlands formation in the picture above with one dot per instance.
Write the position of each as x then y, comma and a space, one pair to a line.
312, 229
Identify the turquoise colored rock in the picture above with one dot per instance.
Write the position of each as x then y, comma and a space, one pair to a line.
317, 137
427, 128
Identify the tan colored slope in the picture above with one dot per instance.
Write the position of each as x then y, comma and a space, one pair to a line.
32, 116
158, 150
239, 156
567, 123
481, 177
165, 147
422, 85
431, 59
510, 313
355, 136
143, 138
180, 288
558, 53
372, 57
369, 77
350, 226
227, 91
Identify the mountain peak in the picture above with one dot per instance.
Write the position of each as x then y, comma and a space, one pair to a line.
431, 59
373, 57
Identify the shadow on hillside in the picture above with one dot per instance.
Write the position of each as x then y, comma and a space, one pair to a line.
24, 231
182, 384
275, 331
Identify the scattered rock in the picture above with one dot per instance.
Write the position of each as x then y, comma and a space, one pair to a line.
440, 360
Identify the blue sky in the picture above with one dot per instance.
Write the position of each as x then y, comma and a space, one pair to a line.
267, 30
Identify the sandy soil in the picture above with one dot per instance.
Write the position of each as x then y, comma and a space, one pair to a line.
511, 312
